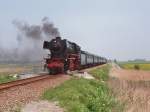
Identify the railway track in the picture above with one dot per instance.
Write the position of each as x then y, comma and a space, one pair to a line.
8, 85
19, 82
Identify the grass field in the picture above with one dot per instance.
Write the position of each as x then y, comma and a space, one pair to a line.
142, 66
19, 68
82, 95
8, 70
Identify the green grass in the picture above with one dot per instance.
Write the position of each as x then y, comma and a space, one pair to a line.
142, 66
6, 78
101, 73
82, 95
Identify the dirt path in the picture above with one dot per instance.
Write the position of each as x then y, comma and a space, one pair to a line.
131, 87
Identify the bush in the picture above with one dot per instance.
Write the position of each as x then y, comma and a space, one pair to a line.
136, 67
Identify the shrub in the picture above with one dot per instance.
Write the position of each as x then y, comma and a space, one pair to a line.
136, 67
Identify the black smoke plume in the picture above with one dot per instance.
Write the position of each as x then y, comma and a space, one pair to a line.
29, 41
49, 29
46, 29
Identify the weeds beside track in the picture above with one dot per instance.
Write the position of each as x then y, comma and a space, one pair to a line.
6, 78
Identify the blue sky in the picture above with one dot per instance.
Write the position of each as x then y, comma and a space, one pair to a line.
112, 28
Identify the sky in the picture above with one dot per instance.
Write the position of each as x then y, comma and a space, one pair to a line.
116, 29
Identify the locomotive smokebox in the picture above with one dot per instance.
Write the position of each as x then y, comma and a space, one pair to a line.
54, 44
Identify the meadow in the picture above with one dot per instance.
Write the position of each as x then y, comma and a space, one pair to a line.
142, 66
7, 71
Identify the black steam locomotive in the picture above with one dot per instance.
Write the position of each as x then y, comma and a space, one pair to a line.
66, 55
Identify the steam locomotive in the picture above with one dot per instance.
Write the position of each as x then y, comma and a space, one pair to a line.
65, 55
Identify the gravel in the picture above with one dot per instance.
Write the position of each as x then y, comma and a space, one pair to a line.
42, 106
15, 97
